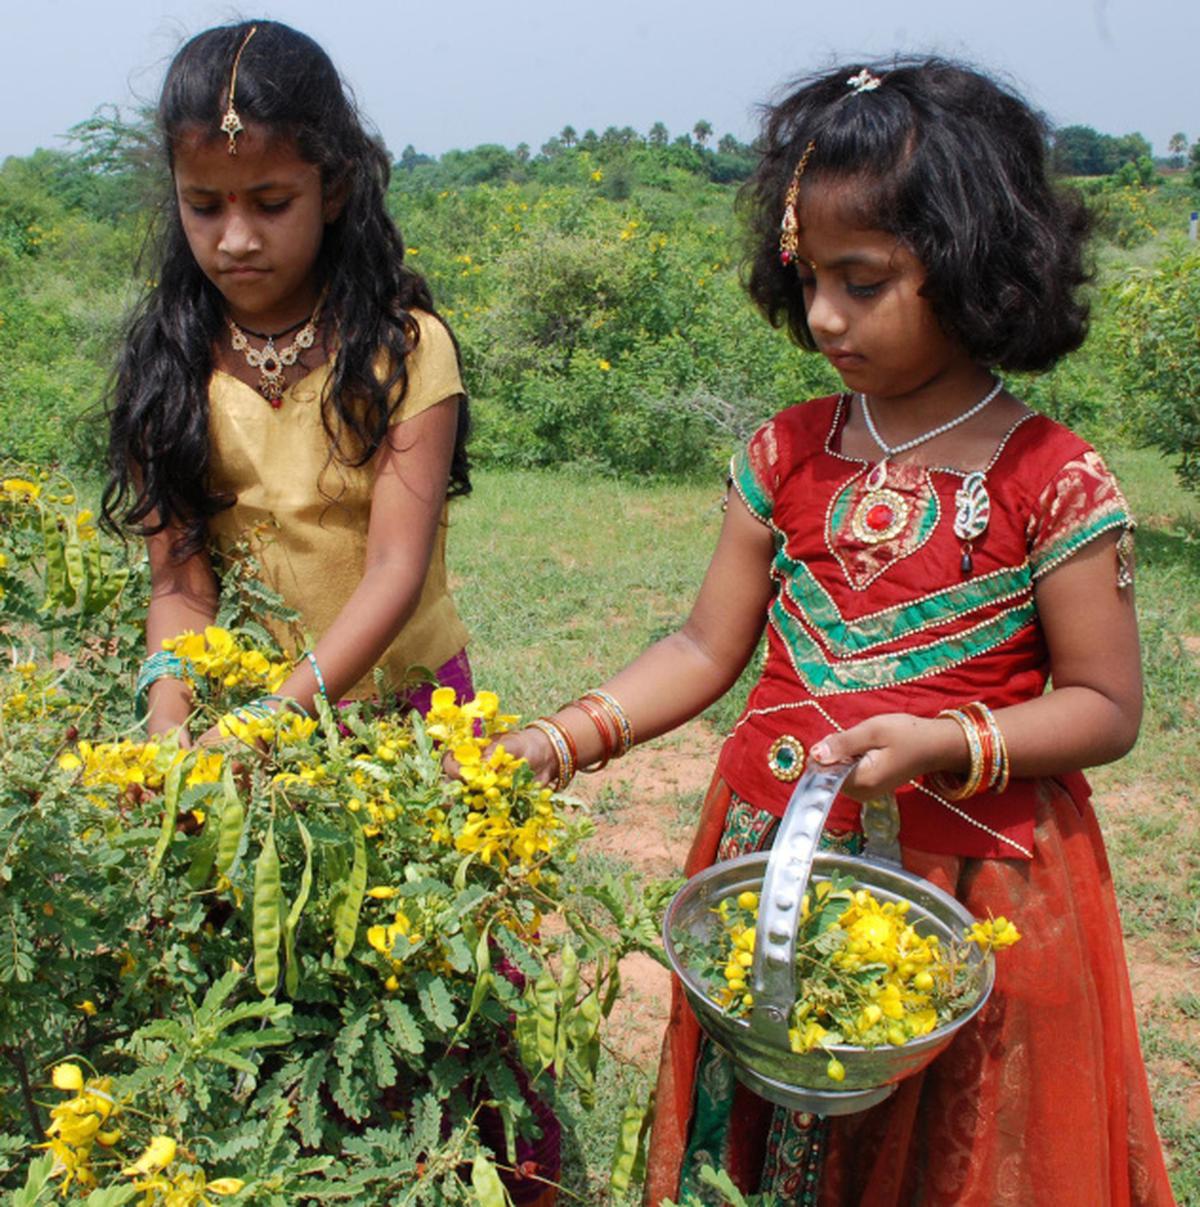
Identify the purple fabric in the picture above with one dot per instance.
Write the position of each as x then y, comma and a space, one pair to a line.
455, 673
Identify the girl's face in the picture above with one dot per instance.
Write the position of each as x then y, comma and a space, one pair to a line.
254, 222
863, 302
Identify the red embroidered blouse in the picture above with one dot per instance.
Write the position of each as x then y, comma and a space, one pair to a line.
874, 613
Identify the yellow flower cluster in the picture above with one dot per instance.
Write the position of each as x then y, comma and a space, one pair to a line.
284, 727
126, 764
385, 937
87, 1119
373, 800
19, 490
217, 655
79, 1123
505, 824
864, 974
994, 934
33, 695
180, 1190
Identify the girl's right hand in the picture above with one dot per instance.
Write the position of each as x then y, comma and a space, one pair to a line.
534, 747
529, 744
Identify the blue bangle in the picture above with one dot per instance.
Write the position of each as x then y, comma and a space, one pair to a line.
286, 704
312, 661
160, 665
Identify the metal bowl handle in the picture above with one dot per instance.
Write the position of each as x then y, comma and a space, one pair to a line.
773, 977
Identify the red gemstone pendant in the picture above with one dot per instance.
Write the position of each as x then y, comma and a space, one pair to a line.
880, 517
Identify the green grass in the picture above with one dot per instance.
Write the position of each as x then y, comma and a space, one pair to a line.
562, 578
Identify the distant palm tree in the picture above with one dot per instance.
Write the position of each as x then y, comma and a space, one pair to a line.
703, 131
568, 136
658, 135
1177, 143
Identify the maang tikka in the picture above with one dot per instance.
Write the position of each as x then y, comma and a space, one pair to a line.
231, 124
789, 226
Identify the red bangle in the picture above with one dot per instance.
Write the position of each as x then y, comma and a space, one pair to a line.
608, 737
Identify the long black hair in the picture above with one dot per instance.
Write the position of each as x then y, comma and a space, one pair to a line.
955, 166
158, 406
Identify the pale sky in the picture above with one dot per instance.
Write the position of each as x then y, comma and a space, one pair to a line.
456, 73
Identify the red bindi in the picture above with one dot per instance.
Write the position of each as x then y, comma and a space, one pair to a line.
231, 196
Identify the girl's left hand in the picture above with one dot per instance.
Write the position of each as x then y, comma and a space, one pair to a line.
891, 750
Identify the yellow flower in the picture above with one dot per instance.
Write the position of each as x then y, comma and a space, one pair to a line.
597, 175
20, 488
994, 935
603, 365
158, 1155
225, 1186
67, 1077
88, 1007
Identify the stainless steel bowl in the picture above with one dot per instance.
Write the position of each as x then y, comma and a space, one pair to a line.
758, 1046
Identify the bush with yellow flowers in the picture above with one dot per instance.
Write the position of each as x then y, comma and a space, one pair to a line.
302, 963
865, 975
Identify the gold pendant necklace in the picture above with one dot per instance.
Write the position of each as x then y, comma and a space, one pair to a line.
271, 361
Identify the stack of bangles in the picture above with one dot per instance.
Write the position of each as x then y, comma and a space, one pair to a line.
611, 723
989, 754
164, 665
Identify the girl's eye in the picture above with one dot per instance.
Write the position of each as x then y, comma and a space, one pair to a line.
863, 291
274, 207
202, 211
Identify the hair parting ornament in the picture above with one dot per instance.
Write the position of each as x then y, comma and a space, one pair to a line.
231, 124
789, 227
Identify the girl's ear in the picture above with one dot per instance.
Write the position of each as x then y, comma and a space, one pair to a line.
335, 200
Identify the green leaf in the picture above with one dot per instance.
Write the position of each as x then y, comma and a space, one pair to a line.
35, 1182
405, 1029
350, 1040
719, 1180
381, 1060
311, 1115
436, 1001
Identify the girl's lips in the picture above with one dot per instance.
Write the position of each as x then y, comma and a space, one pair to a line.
842, 358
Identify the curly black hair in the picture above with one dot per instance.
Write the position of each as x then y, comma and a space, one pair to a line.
955, 166
158, 403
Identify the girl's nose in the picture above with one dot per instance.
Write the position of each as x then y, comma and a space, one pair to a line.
238, 237
824, 317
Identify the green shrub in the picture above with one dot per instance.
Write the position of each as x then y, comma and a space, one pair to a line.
1158, 317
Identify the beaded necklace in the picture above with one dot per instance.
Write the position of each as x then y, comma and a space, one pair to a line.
972, 506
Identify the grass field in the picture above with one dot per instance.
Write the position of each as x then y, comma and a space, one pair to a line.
562, 578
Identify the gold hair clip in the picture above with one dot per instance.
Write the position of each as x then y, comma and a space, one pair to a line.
789, 227
231, 124
864, 81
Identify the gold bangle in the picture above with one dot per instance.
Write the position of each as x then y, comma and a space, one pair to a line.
969, 786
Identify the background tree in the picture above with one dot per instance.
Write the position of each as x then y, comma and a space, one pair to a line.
658, 135
567, 136
703, 132
1177, 146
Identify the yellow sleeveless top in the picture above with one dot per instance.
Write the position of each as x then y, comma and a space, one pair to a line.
305, 516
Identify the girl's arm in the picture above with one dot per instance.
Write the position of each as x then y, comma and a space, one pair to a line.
682, 674
412, 477
1090, 716
183, 596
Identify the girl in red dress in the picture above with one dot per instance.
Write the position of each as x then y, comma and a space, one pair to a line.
926, 555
